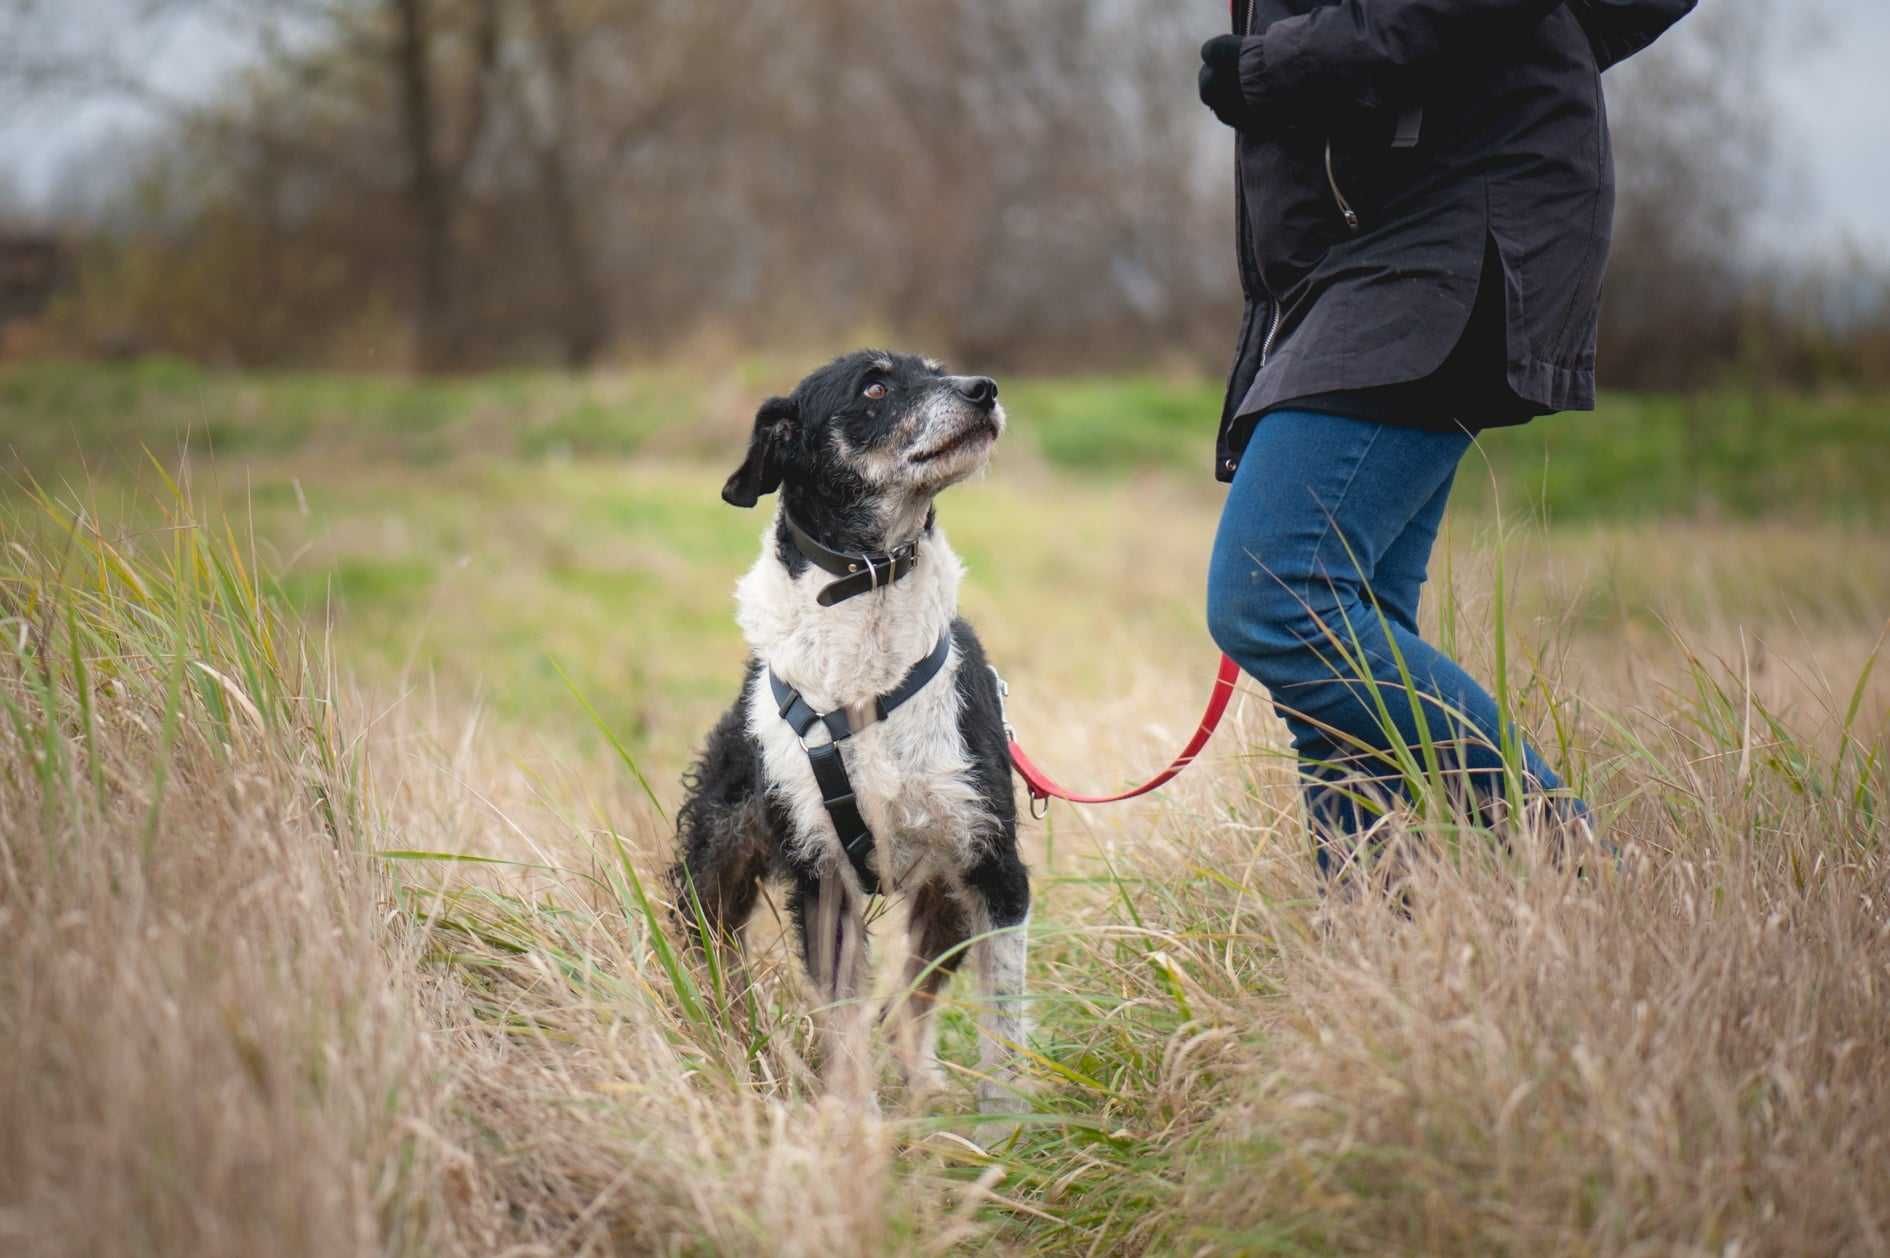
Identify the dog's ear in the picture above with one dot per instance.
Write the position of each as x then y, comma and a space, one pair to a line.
760, 472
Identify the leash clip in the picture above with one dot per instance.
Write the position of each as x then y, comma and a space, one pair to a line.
1003, 692
1039, 802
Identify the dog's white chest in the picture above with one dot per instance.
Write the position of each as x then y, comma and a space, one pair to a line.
910, 776
910, 773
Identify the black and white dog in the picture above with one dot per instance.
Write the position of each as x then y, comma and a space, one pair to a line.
867, 751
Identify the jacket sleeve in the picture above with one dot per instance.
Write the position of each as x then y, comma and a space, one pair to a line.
1367, 52
1617, 29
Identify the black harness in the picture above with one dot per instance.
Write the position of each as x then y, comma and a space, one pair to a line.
859, 571
830, 771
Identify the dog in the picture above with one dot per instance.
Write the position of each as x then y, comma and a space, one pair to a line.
867, 750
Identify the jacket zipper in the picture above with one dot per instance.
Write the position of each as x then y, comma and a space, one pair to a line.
1273, 331
1338, 197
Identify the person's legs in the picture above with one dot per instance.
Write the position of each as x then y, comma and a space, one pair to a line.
1402, 570
1316, 571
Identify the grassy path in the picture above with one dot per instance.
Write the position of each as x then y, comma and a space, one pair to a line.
334, 924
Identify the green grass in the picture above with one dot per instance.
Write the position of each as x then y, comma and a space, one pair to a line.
1741, 455
1746, 456
358, 583
1118, 423
54, 413
616, 426
179, 619
486, 531
1723, 455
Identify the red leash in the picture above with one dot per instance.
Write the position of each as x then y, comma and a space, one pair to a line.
1043, 789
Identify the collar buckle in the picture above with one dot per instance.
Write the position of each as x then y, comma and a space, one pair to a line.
880, 568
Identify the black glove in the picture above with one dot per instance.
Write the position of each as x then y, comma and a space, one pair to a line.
1220, 82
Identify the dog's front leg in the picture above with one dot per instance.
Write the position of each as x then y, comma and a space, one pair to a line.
1005, 1023
938, 931
1002, 885
834, 942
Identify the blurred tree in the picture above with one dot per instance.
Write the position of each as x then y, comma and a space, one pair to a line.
584, 321
305, 125
436, 176
1698, 161
462, 182
1695, 295
1007, 181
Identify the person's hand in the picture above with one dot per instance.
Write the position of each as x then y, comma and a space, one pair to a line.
1220, 82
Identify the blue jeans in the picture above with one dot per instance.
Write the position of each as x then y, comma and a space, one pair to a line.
1322, 551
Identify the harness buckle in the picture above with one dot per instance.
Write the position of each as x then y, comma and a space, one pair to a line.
862, 713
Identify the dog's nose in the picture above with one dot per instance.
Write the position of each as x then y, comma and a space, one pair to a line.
981, 390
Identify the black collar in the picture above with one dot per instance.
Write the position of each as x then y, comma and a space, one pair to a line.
859, 571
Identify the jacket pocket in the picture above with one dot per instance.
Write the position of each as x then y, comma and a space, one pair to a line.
1370, 162
1296, 178
1291, 219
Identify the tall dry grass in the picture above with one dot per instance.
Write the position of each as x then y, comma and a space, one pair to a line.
229, 1030
293, 971
212, 1045
1685, 1055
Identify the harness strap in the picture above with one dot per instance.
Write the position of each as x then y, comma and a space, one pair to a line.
830, 770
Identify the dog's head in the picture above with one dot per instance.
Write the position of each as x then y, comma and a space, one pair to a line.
870, 428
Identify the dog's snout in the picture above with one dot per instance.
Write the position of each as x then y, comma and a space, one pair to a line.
979, 390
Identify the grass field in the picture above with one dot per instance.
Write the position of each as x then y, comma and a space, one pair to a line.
330, 897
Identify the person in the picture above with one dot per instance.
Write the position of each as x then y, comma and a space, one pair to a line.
1425, 194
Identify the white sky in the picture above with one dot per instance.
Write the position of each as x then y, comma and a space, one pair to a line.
1835, 98
1833, 94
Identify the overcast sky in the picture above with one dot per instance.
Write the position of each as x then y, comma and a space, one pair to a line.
1833, 93
1836, 103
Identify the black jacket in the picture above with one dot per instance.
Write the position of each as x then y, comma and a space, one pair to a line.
1392, 140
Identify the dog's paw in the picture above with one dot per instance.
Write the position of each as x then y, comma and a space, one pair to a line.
1001, 1110
851, 1106
995, 1097
920, 1071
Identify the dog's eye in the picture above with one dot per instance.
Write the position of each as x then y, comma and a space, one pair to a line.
877, 390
